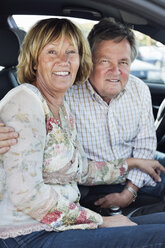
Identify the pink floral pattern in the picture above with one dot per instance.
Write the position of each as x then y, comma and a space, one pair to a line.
82, 218
122, 171
72, 205
49, 125
71, 120
100, 165
51, 217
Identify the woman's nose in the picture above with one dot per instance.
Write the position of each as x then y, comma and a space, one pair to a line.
63, 58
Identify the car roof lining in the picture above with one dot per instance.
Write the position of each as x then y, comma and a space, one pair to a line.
132, 12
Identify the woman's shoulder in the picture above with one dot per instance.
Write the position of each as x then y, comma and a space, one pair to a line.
28, 88
20, 93
32, 88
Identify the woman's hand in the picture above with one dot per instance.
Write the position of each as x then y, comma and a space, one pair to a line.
117, 220
150, 166
7, 138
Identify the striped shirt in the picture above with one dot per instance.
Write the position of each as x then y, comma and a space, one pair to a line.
122, 129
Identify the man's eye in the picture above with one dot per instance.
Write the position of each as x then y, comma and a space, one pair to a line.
124, 62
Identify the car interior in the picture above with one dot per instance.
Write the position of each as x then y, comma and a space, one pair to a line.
145, 16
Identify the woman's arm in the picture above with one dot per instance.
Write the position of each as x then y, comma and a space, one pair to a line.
116, 171
8, 137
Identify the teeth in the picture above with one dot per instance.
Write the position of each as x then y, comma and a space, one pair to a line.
61, 73
114, 80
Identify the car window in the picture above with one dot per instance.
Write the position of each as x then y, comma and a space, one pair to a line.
149, 64
26, 21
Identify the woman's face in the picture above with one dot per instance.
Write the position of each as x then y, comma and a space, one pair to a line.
57, 66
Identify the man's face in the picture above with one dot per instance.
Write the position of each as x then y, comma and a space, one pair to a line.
111, 68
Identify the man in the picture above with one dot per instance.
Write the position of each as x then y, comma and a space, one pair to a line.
113, 111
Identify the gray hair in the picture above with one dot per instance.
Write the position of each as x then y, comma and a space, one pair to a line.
109, 29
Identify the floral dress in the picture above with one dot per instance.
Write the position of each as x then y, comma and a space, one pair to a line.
40, 174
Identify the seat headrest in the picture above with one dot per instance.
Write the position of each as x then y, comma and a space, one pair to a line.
10, 42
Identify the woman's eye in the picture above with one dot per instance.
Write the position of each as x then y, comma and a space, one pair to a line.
71, 52
104, 61
51, 52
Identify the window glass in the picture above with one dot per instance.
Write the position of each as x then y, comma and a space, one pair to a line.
149, 64
26, 21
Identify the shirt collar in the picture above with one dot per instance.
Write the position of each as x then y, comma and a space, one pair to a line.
98, 98
95, 96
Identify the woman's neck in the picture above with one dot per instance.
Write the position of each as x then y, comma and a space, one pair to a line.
53, 99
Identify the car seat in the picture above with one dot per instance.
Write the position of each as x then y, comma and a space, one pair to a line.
160, 126
10, 42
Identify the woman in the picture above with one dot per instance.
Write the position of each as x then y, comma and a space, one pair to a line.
39, 175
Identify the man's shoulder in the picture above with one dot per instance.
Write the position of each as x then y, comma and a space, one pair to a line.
135, 82
72, 89
78, 86
76, 89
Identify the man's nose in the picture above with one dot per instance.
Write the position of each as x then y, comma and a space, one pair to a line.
115, 68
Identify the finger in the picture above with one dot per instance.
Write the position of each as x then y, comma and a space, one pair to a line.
8, 136
155, 176
161, 167
7, 143
107, 201
100, 201
105, 204
131, 223
4, 129
4, 150
158, 171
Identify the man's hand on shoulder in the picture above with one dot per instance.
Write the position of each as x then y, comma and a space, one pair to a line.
7, 138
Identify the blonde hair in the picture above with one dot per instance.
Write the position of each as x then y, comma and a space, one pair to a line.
44, 32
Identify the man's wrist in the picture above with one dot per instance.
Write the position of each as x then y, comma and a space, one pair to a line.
132, 191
